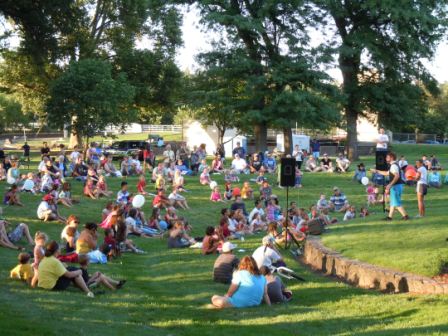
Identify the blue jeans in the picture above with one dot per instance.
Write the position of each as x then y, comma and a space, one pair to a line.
316, 155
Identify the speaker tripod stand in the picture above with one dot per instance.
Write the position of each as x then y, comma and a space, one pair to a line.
288, 236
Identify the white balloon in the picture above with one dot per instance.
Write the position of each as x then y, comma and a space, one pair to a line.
138, 201
365, 180
213, 184
10, 180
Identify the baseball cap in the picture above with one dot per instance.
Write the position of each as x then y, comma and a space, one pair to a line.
268, 240
335, 188
227, 247
47, 197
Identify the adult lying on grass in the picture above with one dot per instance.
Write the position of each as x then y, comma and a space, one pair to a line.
248, 287
54, 276
10, 238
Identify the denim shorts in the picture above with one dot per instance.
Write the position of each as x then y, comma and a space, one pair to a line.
15, 235
395, 195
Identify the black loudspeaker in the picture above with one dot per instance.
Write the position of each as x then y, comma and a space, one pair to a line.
288, 172
380, 161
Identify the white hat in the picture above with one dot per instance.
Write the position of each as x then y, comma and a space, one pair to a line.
227, 247
267, 240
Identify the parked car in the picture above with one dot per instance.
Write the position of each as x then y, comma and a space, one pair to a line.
432, 142
119, 149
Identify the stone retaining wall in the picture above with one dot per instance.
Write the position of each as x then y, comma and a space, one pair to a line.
365, 275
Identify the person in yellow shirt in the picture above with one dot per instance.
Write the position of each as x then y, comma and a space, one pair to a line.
23, 271
54, 276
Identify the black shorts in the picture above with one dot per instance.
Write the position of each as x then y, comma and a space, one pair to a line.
422, 189
62, 283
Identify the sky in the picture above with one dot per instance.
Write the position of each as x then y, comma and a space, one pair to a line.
196, 41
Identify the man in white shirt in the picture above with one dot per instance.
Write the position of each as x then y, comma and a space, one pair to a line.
382, 141
422, 187
266, 255
239, 164
257, 210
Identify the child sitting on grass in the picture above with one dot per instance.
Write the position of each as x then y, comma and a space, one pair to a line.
29, 185
97, 278
12, 197
204, 178
124, 243
123, 196
215, 196
247, 192
371, 195
90, 189
23, 271
160, 183
350, 213
210, 243
228, 194
102, 188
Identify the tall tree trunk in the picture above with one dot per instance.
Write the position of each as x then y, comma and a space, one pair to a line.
261, 137
287, 139
75, 140
352, 134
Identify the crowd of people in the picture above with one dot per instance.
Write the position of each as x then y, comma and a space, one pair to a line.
252, 279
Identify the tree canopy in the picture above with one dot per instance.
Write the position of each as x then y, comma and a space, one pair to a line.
87, 95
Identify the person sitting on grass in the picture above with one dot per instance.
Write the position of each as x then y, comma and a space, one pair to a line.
255, 163
178, 200
12, 197
90, 189
326, 164
101, 187
204, 178
217, 165
97, 278
435, 164
161, 201
311, 165
155, 222
9, 239
40, 239
123, 196
267, 255
269, 164
338, 202
265, 192
54, 276
87, 240
435, 179
360, 172
178, 237
350, 213
215, 195
121, 236
239, 204
277, 291
109, 167
80, 170
225, 264
342, 163
246, 191
23, 271
247, 289
257, 224
210, 243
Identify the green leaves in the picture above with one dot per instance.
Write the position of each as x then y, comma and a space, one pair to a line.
88, 98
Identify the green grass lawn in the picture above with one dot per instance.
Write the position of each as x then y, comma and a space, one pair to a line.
168, 290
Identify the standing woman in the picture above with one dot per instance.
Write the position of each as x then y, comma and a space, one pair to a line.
422, 187
248, 287
54, 276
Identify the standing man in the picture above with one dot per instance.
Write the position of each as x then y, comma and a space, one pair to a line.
26, 153
422, 187
315, 147
382, 142
395, 186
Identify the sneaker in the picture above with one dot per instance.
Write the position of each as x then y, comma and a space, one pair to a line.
121, 284
90, 295
388, 218
418, 216
405, 218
